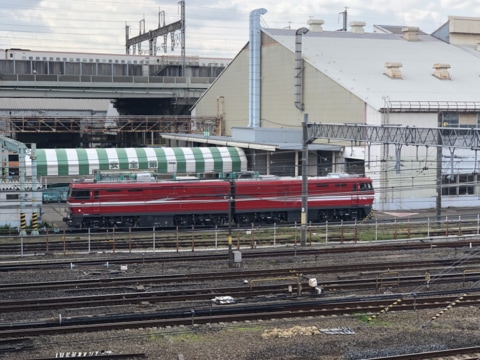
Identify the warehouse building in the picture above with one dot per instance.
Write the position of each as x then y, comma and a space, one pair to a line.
391, 76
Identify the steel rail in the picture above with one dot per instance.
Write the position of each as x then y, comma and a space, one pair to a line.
240, 274
365, 305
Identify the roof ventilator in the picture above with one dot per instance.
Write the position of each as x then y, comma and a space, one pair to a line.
393, 70
357, 27
441, 71
315, 25
410, 33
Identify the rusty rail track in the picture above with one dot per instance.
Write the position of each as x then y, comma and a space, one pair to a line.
242, 293
280, 310
117, 279
470, 353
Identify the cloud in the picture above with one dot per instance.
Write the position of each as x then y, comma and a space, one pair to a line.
215, 28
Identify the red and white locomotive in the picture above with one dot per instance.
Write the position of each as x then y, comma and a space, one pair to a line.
260, 200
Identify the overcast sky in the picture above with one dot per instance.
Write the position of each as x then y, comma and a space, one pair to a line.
214, 28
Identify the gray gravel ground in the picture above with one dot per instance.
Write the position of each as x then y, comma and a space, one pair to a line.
390, 334
394, 333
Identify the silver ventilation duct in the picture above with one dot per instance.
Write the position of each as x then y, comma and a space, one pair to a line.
299, 69
254, 68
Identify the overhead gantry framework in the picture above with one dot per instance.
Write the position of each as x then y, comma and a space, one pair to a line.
465, 138
452, 138
162, 30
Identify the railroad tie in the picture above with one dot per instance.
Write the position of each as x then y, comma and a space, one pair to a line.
384, 310
450, 306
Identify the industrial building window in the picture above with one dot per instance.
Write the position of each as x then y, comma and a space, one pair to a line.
450, 119
462, 184
12, 196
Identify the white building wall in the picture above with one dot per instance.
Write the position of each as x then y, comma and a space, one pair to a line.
228, 95
324, 100
413, 185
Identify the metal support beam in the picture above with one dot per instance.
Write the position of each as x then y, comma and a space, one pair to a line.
465, 138
304, 214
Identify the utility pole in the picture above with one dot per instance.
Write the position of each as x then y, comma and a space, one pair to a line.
438, 203
230, 218
304, 214
300, 106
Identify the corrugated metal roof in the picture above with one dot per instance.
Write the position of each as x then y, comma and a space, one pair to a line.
393, 29
45, 104
227, 140
357, 62
164, 160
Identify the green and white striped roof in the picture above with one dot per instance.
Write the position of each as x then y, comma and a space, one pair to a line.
163, 160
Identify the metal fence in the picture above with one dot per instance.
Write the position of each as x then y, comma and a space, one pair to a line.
56, 241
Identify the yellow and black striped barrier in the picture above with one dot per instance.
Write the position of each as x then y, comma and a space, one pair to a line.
368, 217
384, 310
34, 221
23, 222
450, 306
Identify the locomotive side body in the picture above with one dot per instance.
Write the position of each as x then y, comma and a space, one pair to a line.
162, 204
166, 204
280, 201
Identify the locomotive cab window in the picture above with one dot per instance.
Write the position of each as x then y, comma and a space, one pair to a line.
80, 194
365, 187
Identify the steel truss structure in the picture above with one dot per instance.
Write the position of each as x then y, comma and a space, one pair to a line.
97, 125
465, 138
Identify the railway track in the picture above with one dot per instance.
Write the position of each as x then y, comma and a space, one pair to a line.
467, 228
34, 263
230, 313
107, 279
274, 303
471, 353
244, 294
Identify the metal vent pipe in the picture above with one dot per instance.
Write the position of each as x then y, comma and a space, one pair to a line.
254, 68
299, 69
